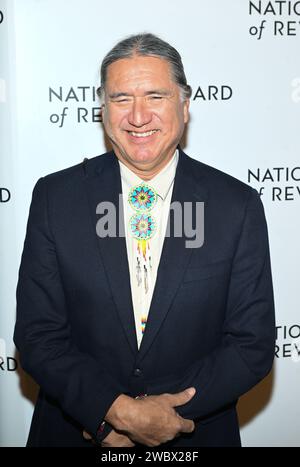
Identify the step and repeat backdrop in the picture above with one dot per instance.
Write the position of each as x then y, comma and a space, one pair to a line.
242, 59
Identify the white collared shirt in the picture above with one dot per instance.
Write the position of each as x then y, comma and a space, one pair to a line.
162, 183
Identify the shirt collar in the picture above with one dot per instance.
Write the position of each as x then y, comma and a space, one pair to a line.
161, 183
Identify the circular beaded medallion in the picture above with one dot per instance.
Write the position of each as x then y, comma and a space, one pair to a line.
142, 198
143, 226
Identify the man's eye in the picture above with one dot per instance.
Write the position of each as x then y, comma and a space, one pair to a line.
122, 100
156, 97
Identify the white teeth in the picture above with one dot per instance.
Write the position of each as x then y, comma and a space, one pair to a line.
142, 135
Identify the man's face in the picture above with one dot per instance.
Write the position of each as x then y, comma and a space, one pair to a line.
143, 115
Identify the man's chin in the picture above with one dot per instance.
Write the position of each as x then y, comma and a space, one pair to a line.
142, 159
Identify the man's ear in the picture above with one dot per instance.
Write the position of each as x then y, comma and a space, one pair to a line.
102, 112
186, 112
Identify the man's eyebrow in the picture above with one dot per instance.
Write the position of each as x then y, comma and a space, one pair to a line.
161, 92
115, 95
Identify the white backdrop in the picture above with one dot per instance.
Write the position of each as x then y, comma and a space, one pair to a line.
242, 59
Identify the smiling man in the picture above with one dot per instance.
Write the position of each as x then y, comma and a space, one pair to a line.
144, 113
137, 339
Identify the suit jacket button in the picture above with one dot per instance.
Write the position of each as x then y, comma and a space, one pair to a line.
137, 372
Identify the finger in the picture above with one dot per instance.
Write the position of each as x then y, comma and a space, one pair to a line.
86, 435
181, 398
187, 426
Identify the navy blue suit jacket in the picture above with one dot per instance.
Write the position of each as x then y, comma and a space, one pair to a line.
210, 324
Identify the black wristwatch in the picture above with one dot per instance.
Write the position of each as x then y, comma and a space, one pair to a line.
103, 430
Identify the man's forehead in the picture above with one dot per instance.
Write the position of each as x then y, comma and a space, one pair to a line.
144, 66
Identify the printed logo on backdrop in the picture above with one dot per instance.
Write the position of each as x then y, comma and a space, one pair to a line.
288, 342
75, 104
2, 91
6, 363
277, 18
296, 90
212, 93
276, 184
4, 195
2, 82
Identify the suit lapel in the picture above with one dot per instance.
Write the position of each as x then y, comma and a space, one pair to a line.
104, 185
175, 256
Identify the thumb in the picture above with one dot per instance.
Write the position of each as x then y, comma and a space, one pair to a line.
86, 435
183, 397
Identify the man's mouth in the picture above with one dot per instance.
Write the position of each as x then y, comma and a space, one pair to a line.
142, 135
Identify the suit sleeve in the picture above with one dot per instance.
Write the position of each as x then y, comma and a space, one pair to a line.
42, 332
246, 352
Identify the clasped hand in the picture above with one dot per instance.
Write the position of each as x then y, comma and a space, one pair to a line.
150, 421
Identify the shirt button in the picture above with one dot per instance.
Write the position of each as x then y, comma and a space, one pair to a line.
137, 372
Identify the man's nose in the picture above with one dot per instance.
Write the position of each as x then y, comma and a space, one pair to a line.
140, 113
